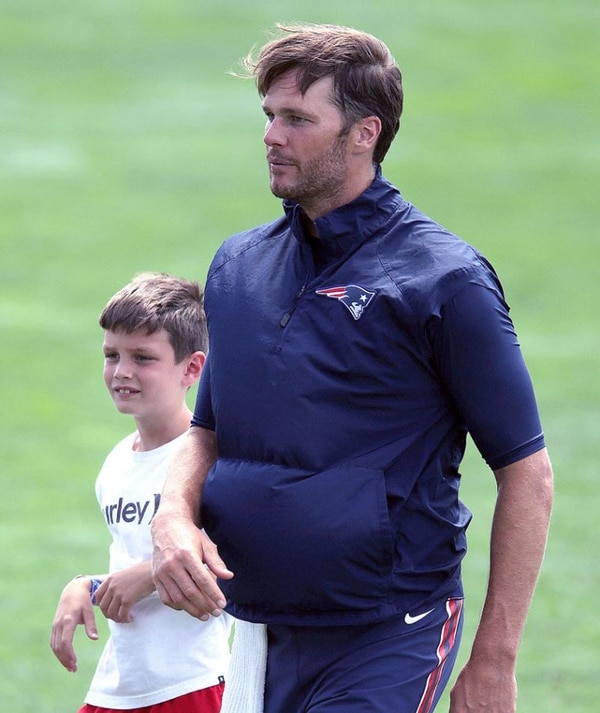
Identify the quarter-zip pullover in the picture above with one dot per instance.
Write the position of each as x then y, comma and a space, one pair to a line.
342, 380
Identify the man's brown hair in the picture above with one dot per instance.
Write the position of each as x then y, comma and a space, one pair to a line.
366, 79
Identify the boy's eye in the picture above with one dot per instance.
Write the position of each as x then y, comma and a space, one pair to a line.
111, 356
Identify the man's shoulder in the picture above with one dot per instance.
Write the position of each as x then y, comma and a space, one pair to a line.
250, 237
248, 244
426, 261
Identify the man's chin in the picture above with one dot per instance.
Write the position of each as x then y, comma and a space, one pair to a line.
281, 190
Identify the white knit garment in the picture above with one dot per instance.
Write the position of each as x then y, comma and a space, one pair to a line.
245, 681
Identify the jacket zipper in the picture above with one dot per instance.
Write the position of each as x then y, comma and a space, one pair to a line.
288, 315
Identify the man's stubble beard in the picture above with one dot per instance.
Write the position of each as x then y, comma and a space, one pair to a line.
320, 180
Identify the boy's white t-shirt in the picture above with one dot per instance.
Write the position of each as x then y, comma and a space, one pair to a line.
162, 653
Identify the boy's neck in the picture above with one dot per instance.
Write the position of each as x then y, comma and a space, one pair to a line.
151, 435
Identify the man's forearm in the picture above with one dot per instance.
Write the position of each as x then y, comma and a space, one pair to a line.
518, 541
185, 562
182, 491
519, 531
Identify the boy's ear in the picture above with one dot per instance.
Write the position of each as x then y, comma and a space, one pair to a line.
193, 369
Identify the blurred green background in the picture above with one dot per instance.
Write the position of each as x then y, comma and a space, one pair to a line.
125, 146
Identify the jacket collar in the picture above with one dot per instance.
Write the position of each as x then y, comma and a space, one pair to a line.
346, 227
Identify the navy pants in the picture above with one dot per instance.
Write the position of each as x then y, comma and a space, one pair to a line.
400, 665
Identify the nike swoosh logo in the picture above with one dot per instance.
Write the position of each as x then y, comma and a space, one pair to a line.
414, 619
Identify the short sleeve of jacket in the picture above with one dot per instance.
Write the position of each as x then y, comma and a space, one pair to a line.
203, 413
481, 363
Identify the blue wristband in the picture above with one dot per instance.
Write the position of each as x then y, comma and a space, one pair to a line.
94, 584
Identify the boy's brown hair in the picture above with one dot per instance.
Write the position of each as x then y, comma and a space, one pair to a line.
156, 300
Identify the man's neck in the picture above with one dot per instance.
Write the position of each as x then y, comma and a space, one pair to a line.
352, 191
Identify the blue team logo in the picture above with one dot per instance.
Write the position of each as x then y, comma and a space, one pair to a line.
356, 298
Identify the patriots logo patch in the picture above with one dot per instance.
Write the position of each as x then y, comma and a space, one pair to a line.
356, 298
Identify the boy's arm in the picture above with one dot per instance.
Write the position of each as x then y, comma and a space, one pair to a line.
119, 591
186, 562
487, 682
74, 608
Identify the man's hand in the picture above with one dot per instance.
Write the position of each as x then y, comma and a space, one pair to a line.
484, 686
185, 566
74, 608
186, 562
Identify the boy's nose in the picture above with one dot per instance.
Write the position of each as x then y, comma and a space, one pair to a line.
123, 370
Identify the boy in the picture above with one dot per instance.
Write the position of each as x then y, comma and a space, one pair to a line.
157, 659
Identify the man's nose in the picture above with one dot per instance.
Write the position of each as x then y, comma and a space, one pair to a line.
274, 134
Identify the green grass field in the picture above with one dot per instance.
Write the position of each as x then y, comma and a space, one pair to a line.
125, 146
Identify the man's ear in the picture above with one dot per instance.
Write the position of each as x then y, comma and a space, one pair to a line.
193, 368
367, 132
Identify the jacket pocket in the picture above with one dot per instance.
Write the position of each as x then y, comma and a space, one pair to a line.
300, 541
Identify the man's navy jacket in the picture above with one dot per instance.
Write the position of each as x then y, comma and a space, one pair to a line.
343, 377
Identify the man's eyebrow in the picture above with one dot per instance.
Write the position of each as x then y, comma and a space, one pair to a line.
289, 111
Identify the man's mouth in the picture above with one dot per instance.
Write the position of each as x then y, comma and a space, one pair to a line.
274, 160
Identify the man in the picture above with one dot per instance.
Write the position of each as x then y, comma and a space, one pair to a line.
354, 343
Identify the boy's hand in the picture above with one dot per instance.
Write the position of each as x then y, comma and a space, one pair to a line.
185, 566
121, 590
74, 608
